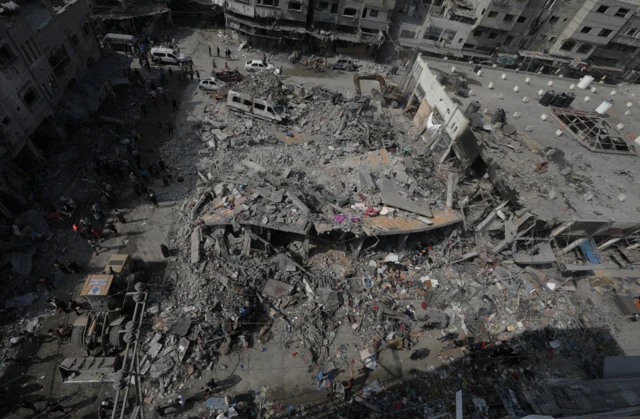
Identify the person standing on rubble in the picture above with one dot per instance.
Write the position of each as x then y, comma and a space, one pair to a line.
213, 63
112, 228
170, 128
94, 245
120, 216
174, 105
170, 72
97, 209
218, 49
74, 267
209, 50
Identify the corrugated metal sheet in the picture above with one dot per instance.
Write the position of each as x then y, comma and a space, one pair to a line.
22, 263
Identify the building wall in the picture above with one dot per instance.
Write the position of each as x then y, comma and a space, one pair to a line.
34, 70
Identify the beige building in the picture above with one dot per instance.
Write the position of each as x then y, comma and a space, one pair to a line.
356, 26
601, 32
45, 47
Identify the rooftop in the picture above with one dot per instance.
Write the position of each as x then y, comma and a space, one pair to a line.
553, 172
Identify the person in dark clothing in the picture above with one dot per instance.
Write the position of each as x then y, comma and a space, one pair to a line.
165, 251
112, 228
208, 388
153, 198
218, 49
174, 105
28, 405
60, 266
75, 306
170, 129
161, 165
120, 216
209, 50
74, 267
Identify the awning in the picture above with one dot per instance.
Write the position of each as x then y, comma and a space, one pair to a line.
477, 53
607, 68
541, 56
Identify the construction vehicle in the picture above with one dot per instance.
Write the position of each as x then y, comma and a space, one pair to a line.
101, 331
390, 92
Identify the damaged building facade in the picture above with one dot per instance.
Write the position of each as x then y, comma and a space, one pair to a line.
138, 17
601, 32
45, 47
345, 26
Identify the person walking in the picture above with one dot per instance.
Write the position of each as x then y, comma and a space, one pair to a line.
97, 233
136, 188
60, 266
153, 198
151, 170
170, 129
161, 165
213, 62
74, 267
120, 216
51, 408
94, 245
111, 227
159, 125
209, 50
96, 208
218, 48
46, 282
198, 75
174, 105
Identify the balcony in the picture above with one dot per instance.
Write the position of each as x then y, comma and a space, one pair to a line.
324, 16
348, 21
374, 24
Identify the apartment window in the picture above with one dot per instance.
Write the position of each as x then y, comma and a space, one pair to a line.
294, 5
349, 12
31, 97
605, 32
602, 9
522, 19
621, 12
586, 29
477, 33
492, 14
493, 35
584, 48
553, 19
334, 8
5, 55
271, 3
631, 32
568, 45
374, 13
408, 34
509, 40
508, 18
323, 5
614, 46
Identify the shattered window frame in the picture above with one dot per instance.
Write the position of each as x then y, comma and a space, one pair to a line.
355, 12
593, 132
6, 55
31, 91
291, 3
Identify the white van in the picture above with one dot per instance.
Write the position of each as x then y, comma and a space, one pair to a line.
260, 108
167, 56
119, 41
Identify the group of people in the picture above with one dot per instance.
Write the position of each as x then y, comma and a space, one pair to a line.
227, 52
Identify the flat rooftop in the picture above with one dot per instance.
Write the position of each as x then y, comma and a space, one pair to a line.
587, 185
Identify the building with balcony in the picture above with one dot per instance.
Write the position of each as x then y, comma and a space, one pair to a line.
44, 48
601, 32
342, 26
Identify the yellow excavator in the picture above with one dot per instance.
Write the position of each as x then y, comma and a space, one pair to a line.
390, 92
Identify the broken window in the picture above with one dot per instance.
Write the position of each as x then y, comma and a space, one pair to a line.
493, 35
334, 8
621, 12
605, 32
31, 97
584, 48
408, 34
522, 19
373, 13
508, 41
508, 18
59, 60
294, 5
271, 3
323, 5
631, 31
492, 14
349, 12
568, 45
5, 55
553, 38
477, 33
602, 9
586, 29
614, 46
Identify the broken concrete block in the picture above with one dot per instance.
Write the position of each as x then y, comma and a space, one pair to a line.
298, 203
391, 197
196, 238
254, 166
220, 136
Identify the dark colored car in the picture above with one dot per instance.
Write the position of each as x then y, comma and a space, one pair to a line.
344, 64
229, 76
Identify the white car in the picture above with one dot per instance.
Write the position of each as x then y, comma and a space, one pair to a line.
212, 83
257, 65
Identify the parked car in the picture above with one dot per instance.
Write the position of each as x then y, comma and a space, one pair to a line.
229, 76
257, 65
167, 56
344, 64
212, 83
